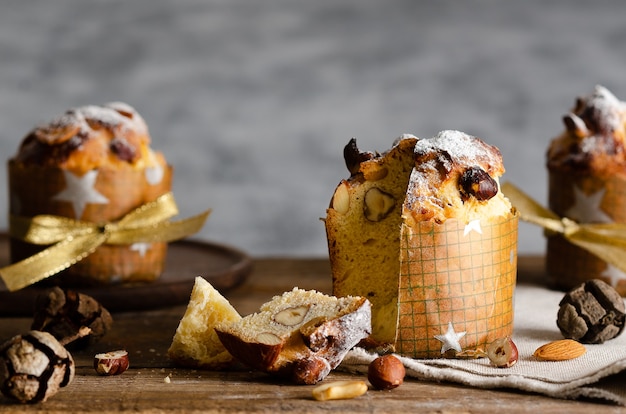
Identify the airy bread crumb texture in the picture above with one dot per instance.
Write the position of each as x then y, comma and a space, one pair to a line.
301, 334
287, 313
195, 343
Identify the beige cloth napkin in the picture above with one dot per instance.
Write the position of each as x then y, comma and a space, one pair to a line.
599, 374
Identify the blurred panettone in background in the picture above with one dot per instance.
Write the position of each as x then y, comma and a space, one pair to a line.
92, 164
587, 183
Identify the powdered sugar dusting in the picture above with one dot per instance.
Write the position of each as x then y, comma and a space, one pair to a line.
114, 116
606, 111
595, 135
459, 146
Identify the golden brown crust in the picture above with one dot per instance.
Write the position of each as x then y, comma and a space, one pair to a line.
113, 135
437, 190
594, 138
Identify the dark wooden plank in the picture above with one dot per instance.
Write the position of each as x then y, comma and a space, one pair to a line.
147, 335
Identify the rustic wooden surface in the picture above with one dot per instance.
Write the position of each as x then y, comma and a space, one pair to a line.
147, 335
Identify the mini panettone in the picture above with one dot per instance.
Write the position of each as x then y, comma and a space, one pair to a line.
301, 335
93, 164
587, 183
424, 232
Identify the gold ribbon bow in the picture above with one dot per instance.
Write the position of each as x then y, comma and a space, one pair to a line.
605, 240
73, 240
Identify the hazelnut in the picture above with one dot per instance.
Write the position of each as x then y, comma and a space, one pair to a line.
33, 367
310, 371
377, 204
268, 338
291, 316
111, 363
503, 352
477, 183
353, 157
386, 372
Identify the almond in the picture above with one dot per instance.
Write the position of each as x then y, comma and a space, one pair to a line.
560, 350
339, 390
341, 199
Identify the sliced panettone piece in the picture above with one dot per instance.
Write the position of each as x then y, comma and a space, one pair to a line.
363, 229
302, 334
195, 342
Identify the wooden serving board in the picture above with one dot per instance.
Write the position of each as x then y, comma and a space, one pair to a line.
222, 266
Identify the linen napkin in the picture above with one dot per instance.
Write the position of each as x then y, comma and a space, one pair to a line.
599, 374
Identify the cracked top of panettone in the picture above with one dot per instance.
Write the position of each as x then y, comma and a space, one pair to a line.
594, 138
455, 175
113, 135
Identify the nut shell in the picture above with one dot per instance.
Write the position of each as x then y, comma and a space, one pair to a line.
386, 372
592, 313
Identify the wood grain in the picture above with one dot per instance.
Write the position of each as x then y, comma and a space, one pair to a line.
147, 335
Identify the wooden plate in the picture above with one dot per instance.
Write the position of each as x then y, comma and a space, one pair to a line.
222, 266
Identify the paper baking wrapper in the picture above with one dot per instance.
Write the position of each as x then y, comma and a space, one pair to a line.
32, 191
452, 275
598, 199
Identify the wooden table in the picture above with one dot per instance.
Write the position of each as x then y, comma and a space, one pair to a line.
147, 336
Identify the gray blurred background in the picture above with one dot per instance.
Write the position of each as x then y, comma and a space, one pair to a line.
253, 101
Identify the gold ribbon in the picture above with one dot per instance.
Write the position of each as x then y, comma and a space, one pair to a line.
607, 241
73, 240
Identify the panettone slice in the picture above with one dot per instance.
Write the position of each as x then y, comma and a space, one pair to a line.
363, 230
301, 335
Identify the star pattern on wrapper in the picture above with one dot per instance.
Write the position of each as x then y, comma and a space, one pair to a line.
80, 191
586, 208
154, 175
141, 248
450, 340
473, 225
613, 274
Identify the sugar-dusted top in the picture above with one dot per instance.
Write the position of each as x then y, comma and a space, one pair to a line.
446, 167
449, 148
594, 137
89, 137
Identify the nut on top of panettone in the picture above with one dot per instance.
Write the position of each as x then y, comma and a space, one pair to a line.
594, 138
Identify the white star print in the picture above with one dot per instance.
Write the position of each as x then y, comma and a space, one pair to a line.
154, 175
80, 191
614, 274
473, 225
140, 248
450, 339
586, 208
